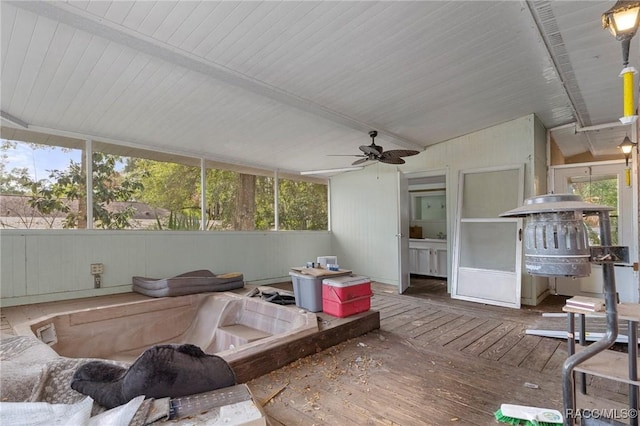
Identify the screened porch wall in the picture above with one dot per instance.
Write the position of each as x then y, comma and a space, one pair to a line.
48, 265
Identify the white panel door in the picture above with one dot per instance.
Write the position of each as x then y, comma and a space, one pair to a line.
403, 232
487, 250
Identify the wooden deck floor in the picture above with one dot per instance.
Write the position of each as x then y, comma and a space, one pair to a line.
434, 361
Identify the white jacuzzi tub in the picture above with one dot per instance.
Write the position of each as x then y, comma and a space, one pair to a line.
225, 324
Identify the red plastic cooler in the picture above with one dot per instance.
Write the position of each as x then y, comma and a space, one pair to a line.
345, 296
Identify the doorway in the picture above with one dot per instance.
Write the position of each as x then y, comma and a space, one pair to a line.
601, 183
428, 261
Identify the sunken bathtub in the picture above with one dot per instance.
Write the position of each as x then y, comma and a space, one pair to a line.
226, 324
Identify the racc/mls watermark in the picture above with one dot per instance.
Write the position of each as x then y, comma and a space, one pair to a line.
602, 413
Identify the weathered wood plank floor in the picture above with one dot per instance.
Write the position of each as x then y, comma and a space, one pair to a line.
434, 361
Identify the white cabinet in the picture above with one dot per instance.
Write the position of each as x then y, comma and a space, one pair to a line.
428, 257
440, 261
413, 260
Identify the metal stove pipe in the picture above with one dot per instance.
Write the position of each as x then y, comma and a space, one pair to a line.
611, 302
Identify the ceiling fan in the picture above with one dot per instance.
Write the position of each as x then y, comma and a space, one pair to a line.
375, 152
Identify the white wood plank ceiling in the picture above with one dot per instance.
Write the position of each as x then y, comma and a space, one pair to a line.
280, 85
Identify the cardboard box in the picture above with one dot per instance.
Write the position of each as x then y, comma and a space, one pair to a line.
345, 296
324, 260
415, 232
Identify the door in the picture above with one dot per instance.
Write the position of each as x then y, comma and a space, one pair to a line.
603, 184
424, 261
440, 262
403, 232
487, 252
413, 260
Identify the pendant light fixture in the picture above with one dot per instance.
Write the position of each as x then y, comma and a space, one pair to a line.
622, 20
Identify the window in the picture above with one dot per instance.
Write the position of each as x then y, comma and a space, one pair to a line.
166, 192
43, 179
239, 201
600, 190
302, 205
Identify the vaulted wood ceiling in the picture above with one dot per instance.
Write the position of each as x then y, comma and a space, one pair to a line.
280, 85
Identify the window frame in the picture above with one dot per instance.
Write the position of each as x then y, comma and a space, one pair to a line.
88, 145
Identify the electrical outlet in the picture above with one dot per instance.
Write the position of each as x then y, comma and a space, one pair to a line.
97, 268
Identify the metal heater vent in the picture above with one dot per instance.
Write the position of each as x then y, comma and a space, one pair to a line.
557, 244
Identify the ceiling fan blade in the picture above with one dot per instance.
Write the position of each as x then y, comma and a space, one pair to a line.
391, 160
345, 155
391, 157
375, 152
402, 152
360, 161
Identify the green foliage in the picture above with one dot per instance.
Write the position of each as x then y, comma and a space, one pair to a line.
222, 187
183, 221
170, 186
109, 186
67, 185
302, 205
603, 192
46, 199
265, 213
53, 197
15, 182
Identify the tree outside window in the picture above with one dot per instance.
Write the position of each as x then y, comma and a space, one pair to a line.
147, 190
